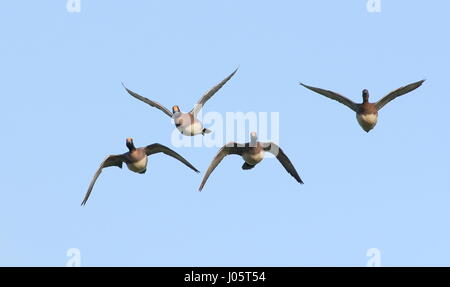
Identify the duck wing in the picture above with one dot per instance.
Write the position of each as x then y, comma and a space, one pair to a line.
229, 148
334, 96
283, 159
156, 148
198, 106
149, 102
397, 93
110, 160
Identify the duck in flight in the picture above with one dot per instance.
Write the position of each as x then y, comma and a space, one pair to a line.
186, 123
135, 159
366, 113
252, 153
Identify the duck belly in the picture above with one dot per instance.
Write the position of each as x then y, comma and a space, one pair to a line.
367, 121
191, 129
139, 166
253, 158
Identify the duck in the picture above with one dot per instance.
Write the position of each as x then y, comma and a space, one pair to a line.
136, 160
367, 112
252, 153
186, 123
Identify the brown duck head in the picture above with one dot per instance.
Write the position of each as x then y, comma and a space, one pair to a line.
130, 144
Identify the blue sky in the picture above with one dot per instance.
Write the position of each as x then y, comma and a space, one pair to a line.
63, 110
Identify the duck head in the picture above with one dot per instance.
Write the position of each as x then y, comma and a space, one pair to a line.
176, 109
130, 144
365, 96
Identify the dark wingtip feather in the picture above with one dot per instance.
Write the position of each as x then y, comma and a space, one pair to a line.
125, 87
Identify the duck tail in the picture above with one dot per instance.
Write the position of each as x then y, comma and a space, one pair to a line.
205, 131
247, 166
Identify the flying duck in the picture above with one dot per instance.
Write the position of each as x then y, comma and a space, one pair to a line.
186, 123
366, 113
135, 159
252, 152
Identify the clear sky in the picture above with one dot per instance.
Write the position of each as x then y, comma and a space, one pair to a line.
63, 109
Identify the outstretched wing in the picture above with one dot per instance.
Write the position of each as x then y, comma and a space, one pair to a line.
209, 94
156, 148
334, 96
149, 102
229, 148
111, 160
284, 160
397, 93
